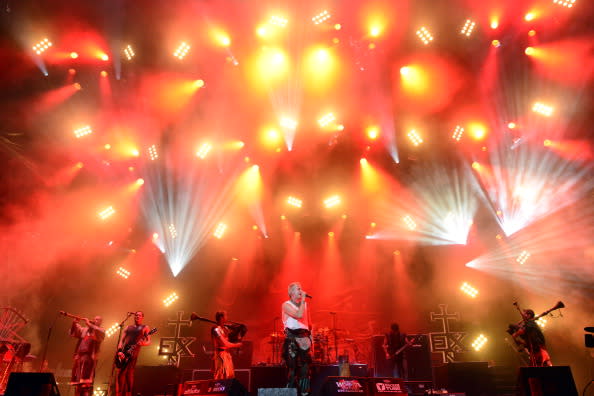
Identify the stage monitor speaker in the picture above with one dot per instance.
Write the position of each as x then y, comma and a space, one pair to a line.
472, 378
386, 386
242, 375
277, 391
156, 380
546, 381
418, 387
31, 384
345, 386
228, 387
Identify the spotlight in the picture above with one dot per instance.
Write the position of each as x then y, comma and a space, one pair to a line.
372, 132
496, 43
458, 132
172, 231
152, 153
73, 55
139, 181
542, 322
42, 46
529, 51
467, 28
112, 330
409, 222
83, 131
278, 21
107, 212
511, 125
479, 342
123, 272
469, 290
321, 17
103, 73
129, 52
220, 230
523, 257
181, 51
288, 123
542, 109
104, 57
375, 31
415, 138
564, 3
326, 120
332, 201
204, 150
170, 299
529, 16
199, 83
296, 202
424, 35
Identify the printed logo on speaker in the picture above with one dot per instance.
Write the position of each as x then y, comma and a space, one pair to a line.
350, 386
387, 387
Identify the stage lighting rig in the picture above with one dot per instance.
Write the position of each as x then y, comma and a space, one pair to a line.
424, 35
42, 46
468, 28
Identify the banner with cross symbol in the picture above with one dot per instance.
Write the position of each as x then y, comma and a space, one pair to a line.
177, 347
448, 343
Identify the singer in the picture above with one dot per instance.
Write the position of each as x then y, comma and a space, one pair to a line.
297, 345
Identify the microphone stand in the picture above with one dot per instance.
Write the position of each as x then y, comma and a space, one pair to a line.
335, 335
47, 341
275, 343
111, 376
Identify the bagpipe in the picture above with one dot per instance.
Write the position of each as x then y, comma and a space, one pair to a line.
236, 330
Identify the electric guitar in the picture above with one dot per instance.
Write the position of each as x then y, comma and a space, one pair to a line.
129, 350
407, 344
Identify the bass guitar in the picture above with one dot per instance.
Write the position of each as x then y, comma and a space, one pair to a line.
129, 350
407, 344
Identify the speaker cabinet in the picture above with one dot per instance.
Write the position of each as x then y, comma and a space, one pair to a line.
472, 378
31, 384
546, 381
418, 359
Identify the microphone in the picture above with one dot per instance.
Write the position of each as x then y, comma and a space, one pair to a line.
308, 296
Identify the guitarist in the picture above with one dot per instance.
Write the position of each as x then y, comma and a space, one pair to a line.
394, 341
136, 334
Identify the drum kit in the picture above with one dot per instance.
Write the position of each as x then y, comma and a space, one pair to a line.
329, 346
